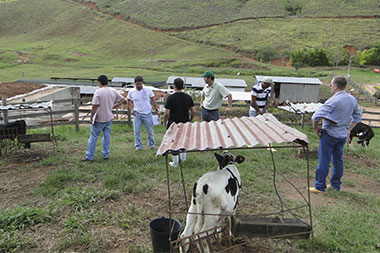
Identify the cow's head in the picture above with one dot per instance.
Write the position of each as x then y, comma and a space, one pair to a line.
228, 158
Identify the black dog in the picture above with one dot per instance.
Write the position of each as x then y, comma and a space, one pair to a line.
363, 132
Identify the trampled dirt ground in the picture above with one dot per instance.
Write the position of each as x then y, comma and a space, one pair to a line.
22, 174
12, 89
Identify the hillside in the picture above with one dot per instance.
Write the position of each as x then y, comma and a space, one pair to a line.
50, 37
177, 14
283, 34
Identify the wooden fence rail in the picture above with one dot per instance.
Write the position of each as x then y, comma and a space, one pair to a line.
286, 118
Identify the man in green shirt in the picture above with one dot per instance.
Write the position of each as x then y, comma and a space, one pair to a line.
212, 98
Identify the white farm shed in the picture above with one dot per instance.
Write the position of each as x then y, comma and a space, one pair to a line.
294, 89
199, 83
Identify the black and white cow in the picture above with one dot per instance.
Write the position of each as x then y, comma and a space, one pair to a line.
363, 132
216, 192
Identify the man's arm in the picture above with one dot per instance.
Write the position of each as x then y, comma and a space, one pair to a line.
94, 108
118, 103
202, 99
352, 125
192, 113
166, 116
316, 128
267, 103
253, 102
154, 103
130, 105
229, 108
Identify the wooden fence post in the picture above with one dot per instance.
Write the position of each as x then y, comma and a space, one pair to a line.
76, 95
5, 112
302, 120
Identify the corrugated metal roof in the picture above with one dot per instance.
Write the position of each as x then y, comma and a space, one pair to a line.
198, 82
295, 80
123, 80
227, 133
301, 107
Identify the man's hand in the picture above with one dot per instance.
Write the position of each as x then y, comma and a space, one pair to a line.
261, 112
348, 139
317, 131
228, 109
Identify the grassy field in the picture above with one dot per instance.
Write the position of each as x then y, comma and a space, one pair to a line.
166, 14
52, 38
53, 201
285, 35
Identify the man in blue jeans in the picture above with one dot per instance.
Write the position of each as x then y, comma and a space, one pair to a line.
101, 117
141, 108
340, 114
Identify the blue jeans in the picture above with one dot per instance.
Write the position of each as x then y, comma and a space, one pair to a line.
210, 115
138, 120
96, 128
329, 148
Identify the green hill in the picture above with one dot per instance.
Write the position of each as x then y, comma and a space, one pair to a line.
285, 35
167, 14
54, 37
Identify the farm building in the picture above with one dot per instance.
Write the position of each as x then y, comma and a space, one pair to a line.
198, 83
294, 89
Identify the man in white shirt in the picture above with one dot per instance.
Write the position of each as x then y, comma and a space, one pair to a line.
101, 117
142, 99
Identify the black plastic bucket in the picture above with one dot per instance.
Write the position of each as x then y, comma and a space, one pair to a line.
159, 232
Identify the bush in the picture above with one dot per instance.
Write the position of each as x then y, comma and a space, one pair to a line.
370, 56
266, 53
313, 57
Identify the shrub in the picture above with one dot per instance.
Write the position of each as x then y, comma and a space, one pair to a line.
266, 53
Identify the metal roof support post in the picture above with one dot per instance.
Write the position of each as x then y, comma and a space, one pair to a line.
170, 204
306, 151
183, 181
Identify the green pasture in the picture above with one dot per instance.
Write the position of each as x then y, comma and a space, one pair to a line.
285, 35
87, 206
177, 14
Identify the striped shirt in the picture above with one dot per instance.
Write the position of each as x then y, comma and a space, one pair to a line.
261, 96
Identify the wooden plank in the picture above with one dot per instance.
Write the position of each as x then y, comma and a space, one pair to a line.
26, 138
276, 227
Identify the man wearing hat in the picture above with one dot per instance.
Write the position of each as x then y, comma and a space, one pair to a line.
212, 97
259, 97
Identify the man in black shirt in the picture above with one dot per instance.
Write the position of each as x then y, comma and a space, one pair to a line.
179, 108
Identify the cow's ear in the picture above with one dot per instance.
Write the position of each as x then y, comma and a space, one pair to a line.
220, 160
239, 159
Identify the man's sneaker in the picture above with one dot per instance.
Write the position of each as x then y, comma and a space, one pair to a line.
105, 158
137, 149
330, 188
87, 160
314, 190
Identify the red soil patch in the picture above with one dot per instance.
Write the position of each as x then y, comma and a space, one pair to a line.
13, 89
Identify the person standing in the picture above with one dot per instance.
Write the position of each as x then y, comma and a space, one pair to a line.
101, 117
179, 108
340, 114
141, 108
260, 97
212, 97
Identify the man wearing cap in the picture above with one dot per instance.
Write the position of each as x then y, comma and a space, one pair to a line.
212, 97
260, 97
141, 108
101, 117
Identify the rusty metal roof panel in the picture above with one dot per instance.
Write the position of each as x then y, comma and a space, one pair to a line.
227, 133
